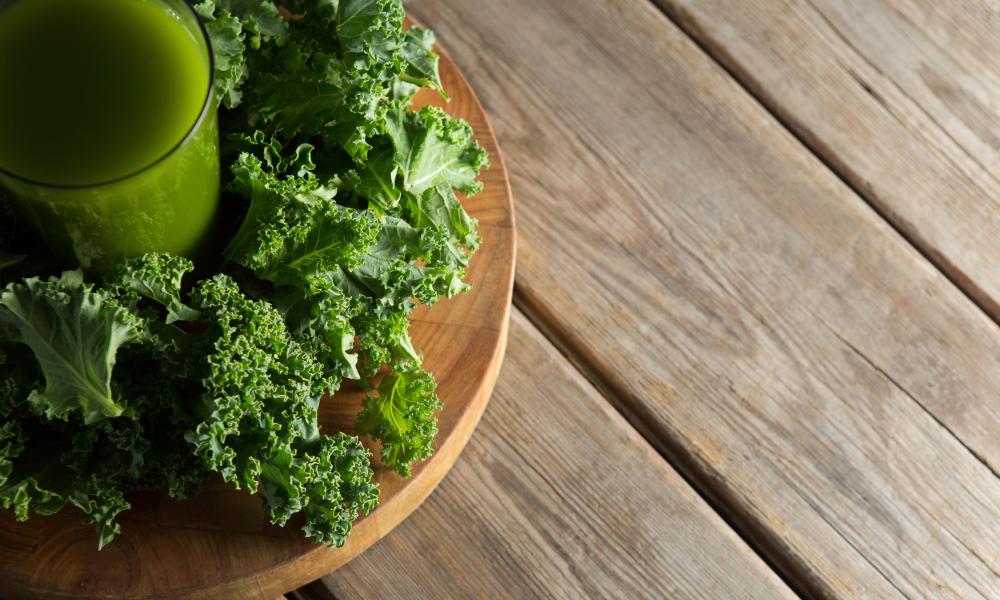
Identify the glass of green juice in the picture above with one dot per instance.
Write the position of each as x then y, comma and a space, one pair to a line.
109, 141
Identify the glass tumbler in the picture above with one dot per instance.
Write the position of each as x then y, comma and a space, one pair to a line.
167, 202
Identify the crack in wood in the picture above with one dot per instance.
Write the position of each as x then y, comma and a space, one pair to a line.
895, 383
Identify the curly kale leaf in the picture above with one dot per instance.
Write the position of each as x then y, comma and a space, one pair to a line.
318, 315
254, 370
12, 440
99, 501
261, 20
294, 227
44, 471
407, 264
273, 158
74, 334
226, 34
438, 209
414, 177
401, 415
259, 425
232, 25
156, 277
337, 77
367, 29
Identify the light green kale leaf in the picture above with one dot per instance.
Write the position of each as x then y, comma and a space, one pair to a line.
157, 277
439, 207
433, 148
74, 334
401, 414
422, 69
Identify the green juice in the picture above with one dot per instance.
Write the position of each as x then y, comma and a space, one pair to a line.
108, 133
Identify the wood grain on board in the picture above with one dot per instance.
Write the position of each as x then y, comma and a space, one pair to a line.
593, 512
824, 384
901, 97
219, 544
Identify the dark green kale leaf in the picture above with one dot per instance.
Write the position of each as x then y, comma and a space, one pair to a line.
294, 227
258, 425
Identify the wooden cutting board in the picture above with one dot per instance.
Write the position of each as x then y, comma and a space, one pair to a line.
220, 545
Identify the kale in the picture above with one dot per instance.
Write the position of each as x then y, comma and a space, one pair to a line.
161, 374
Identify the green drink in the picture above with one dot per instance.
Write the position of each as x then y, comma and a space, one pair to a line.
108, 131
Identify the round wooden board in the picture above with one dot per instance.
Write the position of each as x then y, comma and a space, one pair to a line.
219, 545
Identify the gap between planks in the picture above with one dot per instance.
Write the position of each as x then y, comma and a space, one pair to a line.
313, 591
768, 544
767, 548
317, 590
817, 148
719, 498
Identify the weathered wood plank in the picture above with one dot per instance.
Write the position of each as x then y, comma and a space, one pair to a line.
771, 334
901, 97
556, 496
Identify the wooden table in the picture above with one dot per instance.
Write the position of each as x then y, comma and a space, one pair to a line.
755, 349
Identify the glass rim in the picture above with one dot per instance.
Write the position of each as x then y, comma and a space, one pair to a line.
206, 105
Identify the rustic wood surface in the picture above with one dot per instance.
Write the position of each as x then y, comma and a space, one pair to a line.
219, 545
857, 81
592, 513
808, 370
901, 97
755, 352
